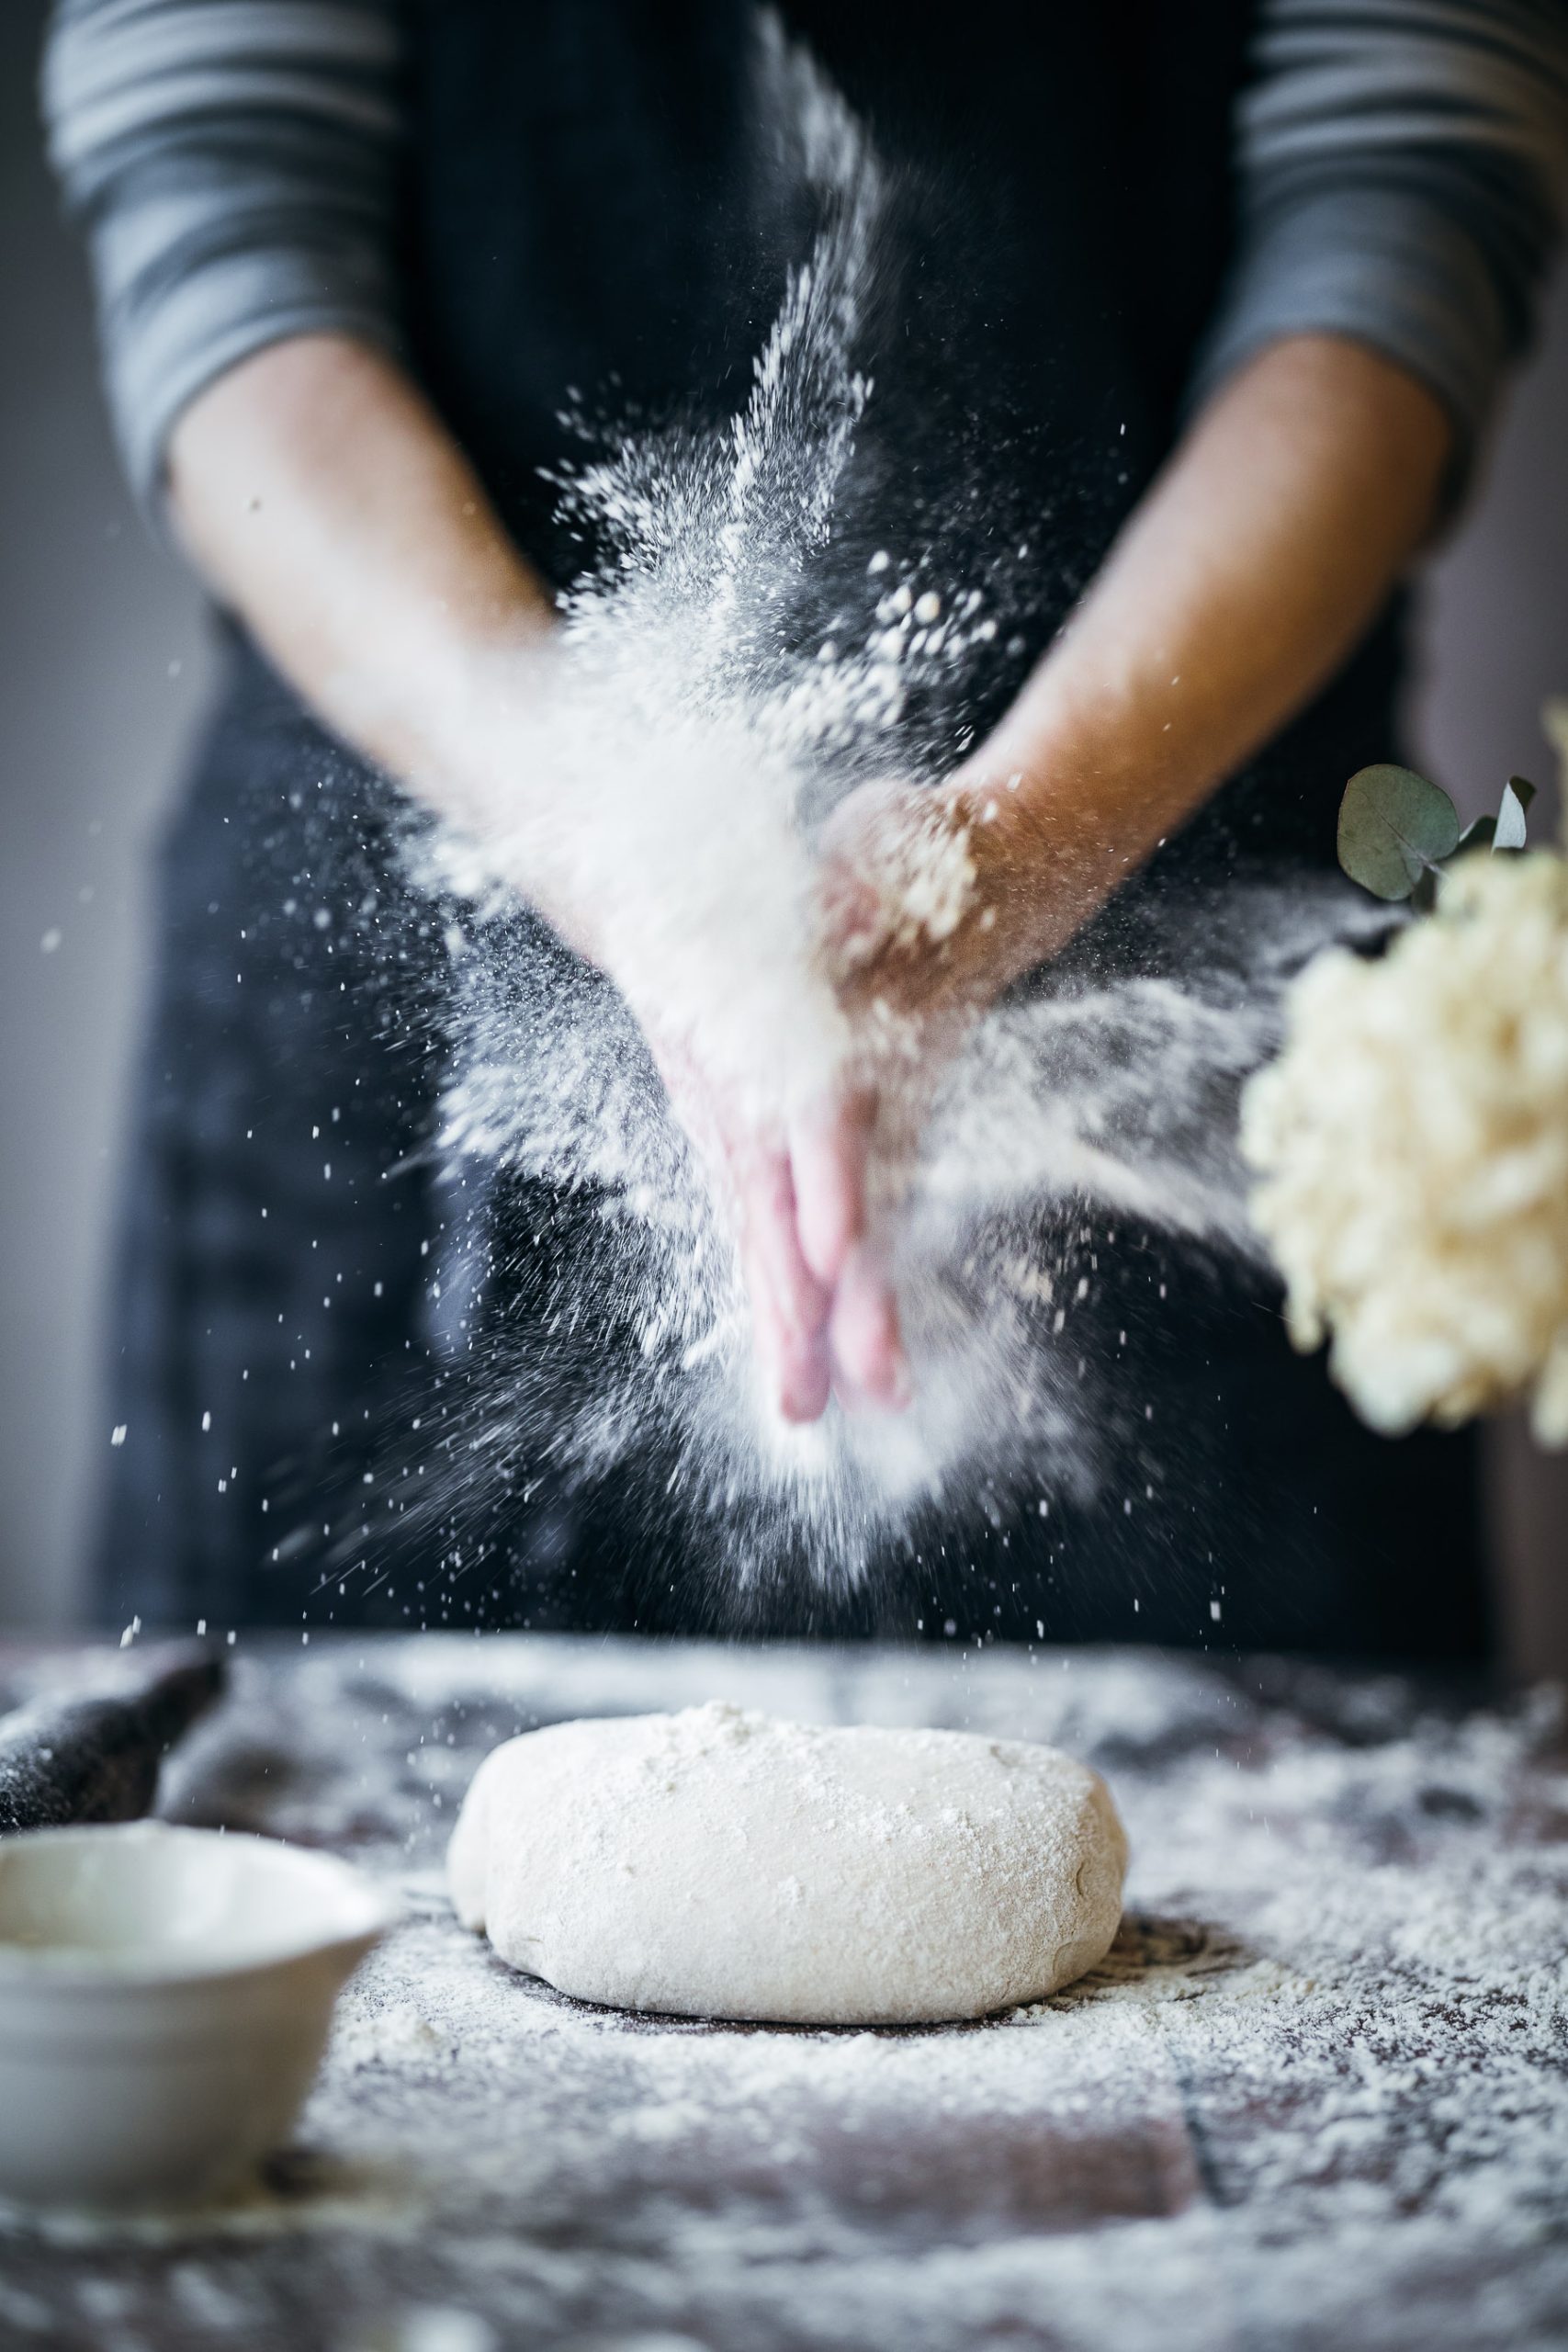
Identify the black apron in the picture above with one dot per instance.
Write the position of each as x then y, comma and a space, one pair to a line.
587, 216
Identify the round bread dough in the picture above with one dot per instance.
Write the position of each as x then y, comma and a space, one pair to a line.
719, 1864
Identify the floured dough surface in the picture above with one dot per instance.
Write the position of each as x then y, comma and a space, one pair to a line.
720, 1863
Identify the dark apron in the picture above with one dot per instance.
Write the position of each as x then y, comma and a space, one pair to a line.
587, 206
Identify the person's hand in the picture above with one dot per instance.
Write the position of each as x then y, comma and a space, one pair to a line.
928, 902
932, 901
808, 1174
896, 893
794, 1188
745, 1148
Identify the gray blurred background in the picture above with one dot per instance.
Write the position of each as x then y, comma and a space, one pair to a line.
104, 669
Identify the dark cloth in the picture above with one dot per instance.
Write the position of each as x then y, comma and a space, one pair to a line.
585, 208
272, 1273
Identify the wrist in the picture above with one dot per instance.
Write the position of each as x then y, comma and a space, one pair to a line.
1098, 768
447, 699
476, 739
1061, 807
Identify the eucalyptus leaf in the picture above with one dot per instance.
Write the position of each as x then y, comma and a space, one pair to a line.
1478, 833
1517, 794
1394, 827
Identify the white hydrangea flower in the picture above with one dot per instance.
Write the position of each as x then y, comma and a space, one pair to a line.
1412, 1141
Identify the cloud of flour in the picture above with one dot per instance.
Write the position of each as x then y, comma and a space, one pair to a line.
715, 689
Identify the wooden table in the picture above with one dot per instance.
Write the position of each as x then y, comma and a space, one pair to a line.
1318, 2096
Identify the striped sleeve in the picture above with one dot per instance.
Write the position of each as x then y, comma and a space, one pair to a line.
235, 164
1404, 170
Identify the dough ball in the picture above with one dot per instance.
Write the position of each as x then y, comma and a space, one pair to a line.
718, 1863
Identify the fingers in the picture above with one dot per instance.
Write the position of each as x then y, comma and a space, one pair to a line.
830, 1147
823, 1309
789, 1306
829, 1153
868, 1348
818, 1330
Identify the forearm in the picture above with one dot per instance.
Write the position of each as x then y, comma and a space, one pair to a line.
326, 504
1239, 585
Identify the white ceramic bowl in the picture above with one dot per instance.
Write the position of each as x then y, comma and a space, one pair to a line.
164, 2000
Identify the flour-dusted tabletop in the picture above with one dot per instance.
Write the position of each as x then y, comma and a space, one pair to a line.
1316, 2096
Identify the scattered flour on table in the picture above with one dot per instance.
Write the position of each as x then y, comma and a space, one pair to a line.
1325, 2062
1334, 1977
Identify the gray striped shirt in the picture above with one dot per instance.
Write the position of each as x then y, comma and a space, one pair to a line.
1403, 168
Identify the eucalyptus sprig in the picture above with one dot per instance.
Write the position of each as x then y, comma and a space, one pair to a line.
1397, 830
